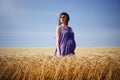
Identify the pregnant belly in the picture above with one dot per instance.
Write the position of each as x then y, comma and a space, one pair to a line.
71, 44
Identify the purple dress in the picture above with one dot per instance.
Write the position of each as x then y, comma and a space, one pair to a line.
67, 42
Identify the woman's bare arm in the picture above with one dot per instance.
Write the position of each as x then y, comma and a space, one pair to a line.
58, 29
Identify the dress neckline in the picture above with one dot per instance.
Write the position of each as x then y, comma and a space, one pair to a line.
65, 28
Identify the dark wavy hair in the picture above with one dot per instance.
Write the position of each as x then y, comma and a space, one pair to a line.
67, 17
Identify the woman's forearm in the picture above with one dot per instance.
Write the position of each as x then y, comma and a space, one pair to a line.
58, 47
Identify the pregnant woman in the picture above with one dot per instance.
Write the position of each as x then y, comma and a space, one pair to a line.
65, 42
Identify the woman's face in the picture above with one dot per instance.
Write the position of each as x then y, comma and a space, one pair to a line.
63, 19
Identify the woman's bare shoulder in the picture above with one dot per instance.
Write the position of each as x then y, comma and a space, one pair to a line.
58, 28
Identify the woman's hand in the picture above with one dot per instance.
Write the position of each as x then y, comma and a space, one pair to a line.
58, 54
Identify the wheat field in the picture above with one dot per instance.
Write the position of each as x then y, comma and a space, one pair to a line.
40, 64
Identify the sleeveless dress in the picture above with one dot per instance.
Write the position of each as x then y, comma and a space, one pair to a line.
66, 42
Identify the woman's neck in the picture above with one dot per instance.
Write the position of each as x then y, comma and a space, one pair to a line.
64, 25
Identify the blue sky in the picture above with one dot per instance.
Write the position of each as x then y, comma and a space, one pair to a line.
32, 23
